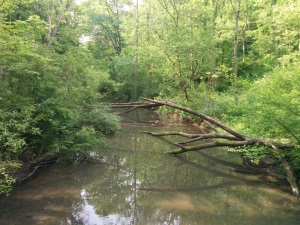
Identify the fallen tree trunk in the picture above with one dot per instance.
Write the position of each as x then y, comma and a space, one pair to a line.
134, 105
221, 131
41, 164
224, 136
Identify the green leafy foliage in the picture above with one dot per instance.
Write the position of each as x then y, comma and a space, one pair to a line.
6, 179
270, 107
52, 84
15, 125
98, 117
255, 153
50, 104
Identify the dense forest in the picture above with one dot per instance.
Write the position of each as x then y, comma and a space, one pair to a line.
62, 61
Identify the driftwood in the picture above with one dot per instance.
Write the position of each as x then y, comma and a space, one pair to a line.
221, 135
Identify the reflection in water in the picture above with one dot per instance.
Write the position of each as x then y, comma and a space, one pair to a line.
133, 182
87, 215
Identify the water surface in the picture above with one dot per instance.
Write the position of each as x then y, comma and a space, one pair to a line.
132, 181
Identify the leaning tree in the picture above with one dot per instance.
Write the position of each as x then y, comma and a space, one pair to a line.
218, 135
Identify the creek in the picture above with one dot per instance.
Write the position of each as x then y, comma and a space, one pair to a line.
133, 181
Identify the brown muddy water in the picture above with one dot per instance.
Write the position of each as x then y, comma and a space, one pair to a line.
133, 181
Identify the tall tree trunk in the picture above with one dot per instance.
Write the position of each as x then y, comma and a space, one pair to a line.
299, 42
148, 40
181, 84
244, 32
1, 69
1, 72
136, 59
276, 41
235, 60
244, 44
276, 49
52, 32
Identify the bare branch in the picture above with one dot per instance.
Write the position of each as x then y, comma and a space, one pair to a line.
135, 106
213, 144
174, 133
211, 126
209, 136
203, 116
289, 172
288, 130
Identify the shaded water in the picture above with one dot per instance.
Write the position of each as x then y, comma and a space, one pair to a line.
132, 181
